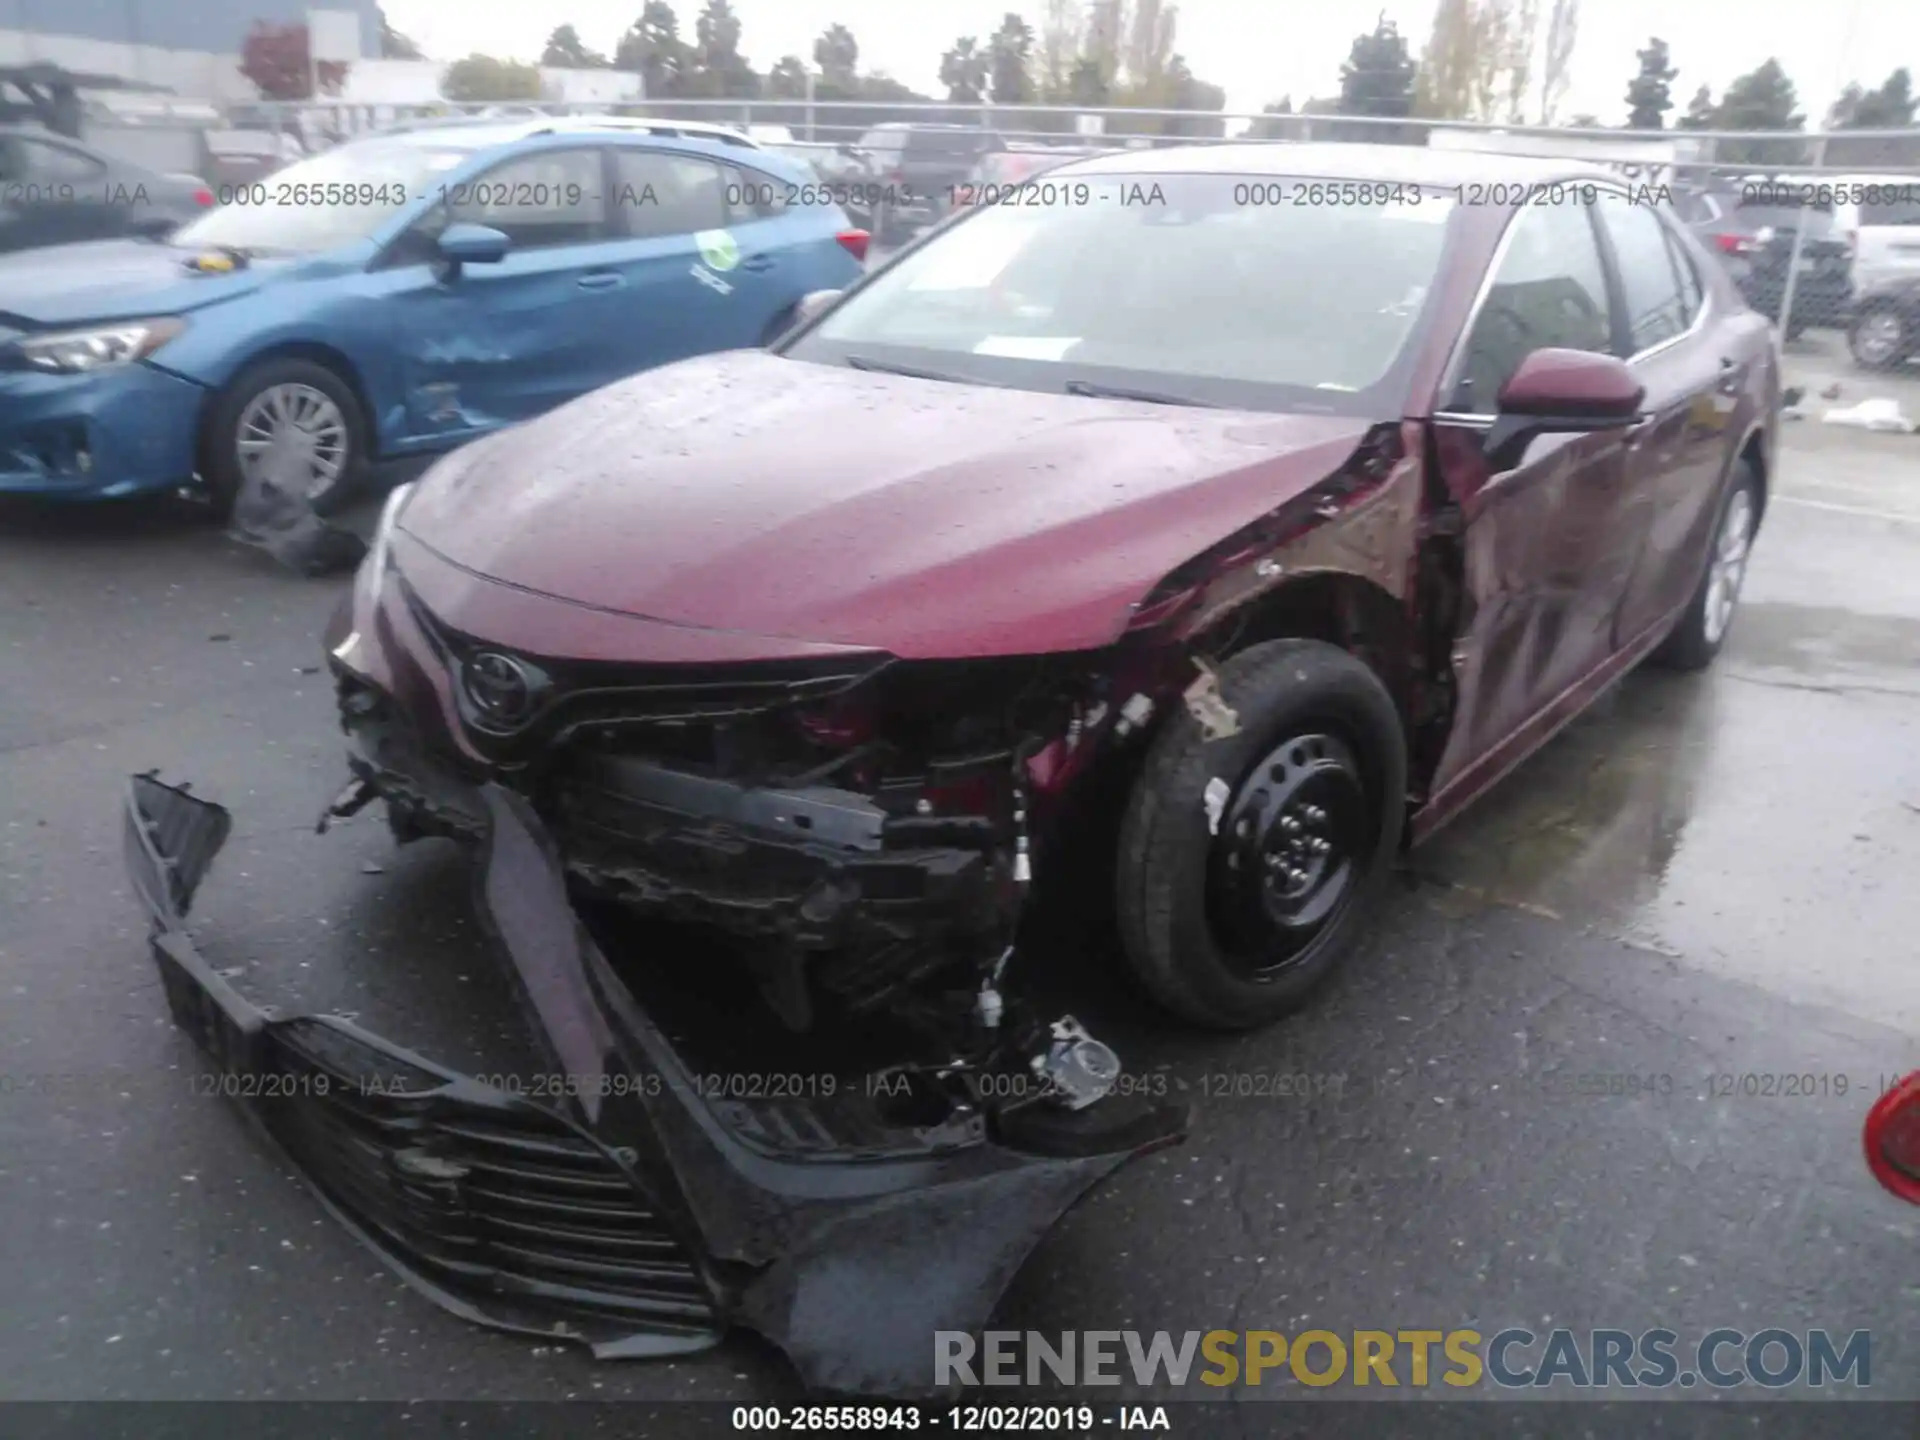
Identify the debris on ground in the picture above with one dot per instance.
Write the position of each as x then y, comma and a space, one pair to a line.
278, 519
1879, 413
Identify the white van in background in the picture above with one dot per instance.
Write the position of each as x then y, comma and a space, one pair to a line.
1880, 214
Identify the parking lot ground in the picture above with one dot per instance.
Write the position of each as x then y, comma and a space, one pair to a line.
1819, 365
1707, 876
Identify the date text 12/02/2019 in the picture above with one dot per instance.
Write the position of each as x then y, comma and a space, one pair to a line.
903, 1419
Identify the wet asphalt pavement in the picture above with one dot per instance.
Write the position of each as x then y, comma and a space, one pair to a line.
1716, 875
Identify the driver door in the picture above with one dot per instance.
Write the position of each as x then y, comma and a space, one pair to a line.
492, 345
1549, 545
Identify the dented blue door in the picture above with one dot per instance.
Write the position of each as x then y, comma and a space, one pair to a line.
496, 344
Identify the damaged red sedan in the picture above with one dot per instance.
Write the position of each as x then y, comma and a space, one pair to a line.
1226, 516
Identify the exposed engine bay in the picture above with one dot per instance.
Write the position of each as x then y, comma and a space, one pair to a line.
865, 837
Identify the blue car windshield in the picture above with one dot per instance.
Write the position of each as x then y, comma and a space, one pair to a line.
333, 199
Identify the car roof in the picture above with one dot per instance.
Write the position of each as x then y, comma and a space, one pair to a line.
481, 132
644, 125
1402, 164
494, 135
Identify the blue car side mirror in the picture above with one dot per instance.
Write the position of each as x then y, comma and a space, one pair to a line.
472, 245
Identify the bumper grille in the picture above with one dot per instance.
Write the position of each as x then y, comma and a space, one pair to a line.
490, 1197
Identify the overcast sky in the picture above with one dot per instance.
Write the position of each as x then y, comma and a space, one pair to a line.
1258, 50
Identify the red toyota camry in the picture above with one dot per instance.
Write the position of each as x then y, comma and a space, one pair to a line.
1226, 516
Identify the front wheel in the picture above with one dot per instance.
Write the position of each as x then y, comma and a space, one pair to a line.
1703, 626
291, 424
1249, 863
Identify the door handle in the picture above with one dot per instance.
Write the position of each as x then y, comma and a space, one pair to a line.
601, 280
1732, 372
757, 263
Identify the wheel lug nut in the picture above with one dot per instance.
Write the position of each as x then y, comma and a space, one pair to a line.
1290, 825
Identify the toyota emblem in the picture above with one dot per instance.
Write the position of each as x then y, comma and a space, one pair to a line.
501, 689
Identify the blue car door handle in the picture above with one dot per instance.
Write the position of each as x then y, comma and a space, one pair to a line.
757, 263
601, 280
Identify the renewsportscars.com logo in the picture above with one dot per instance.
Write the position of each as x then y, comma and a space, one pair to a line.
1511, 1359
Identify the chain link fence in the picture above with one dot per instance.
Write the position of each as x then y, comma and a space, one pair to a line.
1821, 232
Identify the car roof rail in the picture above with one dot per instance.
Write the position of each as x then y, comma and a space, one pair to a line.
645, 125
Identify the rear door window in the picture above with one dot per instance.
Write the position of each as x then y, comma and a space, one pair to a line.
1649, 282
1549, 292
1690, 291
660, 193
1895, 208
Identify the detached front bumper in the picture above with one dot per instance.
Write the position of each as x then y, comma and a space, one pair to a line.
634, 1214
127, 430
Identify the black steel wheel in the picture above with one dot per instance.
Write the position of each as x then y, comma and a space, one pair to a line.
1292, 844
1248, 861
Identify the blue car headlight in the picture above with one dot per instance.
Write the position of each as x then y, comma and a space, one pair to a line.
98, 347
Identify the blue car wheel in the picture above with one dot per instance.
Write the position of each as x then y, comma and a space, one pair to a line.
292, 425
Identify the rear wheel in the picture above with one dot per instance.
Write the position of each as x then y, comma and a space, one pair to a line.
1879, 338
1703, 627
1248, 864
291, 423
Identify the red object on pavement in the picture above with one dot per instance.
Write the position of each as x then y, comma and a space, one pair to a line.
1893, 1139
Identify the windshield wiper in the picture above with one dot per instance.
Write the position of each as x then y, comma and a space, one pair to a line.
1119, 392
857, 362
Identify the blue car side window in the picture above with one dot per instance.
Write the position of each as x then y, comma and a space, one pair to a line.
548, 197
657, 193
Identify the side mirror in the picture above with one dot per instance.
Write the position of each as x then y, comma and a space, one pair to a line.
1893, 1139
814, 303
1561, 392
472, 245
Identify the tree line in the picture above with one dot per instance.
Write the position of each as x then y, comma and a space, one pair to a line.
1501, 61
1103, 54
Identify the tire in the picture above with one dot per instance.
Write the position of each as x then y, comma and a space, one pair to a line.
298, 381
1315, 725
1702, 627
1876, 344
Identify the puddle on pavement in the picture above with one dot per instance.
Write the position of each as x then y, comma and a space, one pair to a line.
1761, 820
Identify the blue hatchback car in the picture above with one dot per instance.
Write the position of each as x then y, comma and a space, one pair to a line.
401, 294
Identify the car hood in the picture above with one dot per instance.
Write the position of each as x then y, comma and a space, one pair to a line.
752, 494
112, 280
